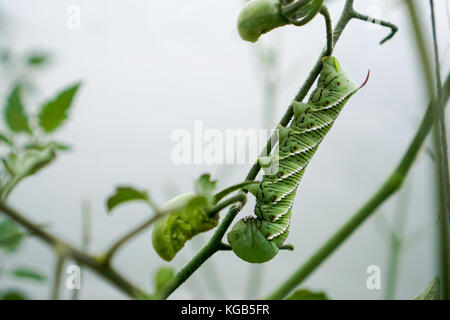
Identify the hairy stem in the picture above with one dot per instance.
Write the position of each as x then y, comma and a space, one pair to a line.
392, 184
329, 29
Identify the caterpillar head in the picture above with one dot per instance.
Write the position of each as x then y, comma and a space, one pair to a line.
248, 242
258, 17
334, 79
330, 63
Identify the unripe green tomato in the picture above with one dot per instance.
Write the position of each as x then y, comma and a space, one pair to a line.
171, 232
258, 17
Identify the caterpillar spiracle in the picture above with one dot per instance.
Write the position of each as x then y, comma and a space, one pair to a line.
258, 239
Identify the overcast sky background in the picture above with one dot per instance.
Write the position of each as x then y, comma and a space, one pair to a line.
150, 67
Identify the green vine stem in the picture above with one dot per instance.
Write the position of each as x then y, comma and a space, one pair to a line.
439, 138
443, 170
101, 264
106, 258
85, 238
392, 184
215, 242
222, 194
57, 276
365, 18
63, 248
240, 197
329, 29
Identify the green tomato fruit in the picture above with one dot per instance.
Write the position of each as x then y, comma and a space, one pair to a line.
258, 17
171, 232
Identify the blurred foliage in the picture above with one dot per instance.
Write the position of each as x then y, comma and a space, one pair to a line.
305, 294
12, 294
27, 146
10, 236
432, 292
37, 59
29, 274
124, 194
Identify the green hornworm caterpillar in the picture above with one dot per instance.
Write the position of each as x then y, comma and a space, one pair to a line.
261, 16
258, 239
171, 232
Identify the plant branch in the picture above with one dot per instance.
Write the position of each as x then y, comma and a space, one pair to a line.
329, 29
222, 194
391, 185
439, 139
396, 242
444, 184
106, 258
85, 238
386, 24
240, 197
70, 252
57, 276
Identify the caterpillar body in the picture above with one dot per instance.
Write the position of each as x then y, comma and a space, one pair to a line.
258, 239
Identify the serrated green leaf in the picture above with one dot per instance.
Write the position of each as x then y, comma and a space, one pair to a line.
27, 273
59, 146
10, 236
14, 112
53, 145
54, 112
37, 59
12, 295
432, 292
28, 162
305, 294
125, 194
6, 140
163, 276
